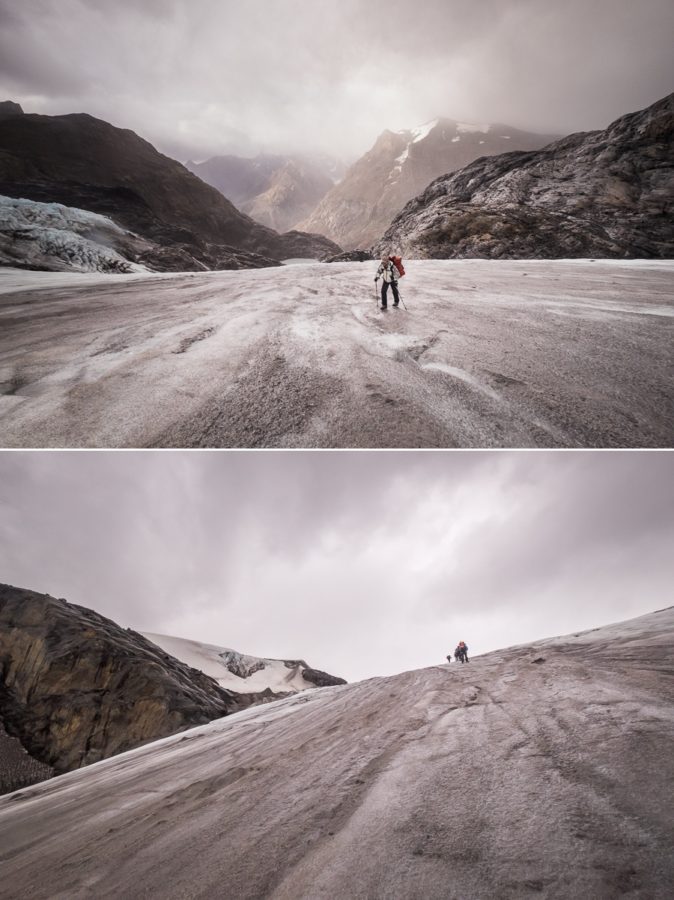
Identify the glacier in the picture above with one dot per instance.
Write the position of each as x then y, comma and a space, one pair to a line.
58, 238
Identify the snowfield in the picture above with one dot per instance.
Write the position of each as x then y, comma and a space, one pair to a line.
233, 670
545, 770
488, 354
60, 238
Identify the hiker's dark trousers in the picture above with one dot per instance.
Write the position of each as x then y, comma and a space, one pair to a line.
384, 291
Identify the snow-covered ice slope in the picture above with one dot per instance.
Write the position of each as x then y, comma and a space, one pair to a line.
569, 353
545, 770
236, 671
60, 238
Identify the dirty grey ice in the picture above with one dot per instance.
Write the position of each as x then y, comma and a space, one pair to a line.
566, 353
539, 770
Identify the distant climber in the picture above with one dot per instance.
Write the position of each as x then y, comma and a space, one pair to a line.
461, 652
388, 272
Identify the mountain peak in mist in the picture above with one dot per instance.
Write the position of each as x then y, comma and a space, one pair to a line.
399, 165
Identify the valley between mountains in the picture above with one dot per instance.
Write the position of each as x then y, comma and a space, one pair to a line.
562, 353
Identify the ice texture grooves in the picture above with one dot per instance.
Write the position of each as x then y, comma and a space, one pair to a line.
488, 354
539, 770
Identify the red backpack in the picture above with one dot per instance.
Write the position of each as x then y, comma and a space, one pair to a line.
398, 263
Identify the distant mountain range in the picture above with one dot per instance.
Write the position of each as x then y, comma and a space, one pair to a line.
603, 193
446, 189
83, 162
357, 211
76, 688
276, 191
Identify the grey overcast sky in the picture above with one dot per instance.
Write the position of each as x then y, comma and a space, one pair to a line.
198, 77
361, 563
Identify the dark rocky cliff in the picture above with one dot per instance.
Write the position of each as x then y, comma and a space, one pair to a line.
602, 193
76, 688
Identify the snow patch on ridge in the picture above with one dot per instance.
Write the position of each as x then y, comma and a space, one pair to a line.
418, 134
236, 671
423, 131
468, 128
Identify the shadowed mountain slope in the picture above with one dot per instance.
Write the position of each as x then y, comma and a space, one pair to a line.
87, 163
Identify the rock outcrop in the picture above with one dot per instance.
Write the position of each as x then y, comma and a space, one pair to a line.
352, 256
401, 164
76, 688
597, 194
320, 679
9, 108
83, 162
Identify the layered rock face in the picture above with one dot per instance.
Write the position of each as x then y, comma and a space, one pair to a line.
83, 162
401, 164
275, 191
76, 688
603, 193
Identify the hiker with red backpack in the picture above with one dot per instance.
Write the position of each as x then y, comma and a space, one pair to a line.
462, 651
390, 270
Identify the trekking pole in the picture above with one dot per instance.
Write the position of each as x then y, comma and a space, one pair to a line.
402, 301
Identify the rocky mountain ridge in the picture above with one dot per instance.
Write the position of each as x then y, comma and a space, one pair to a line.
84, 162
75, 687
603, 193
357, 211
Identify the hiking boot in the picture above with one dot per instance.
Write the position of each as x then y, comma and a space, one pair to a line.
383, 308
